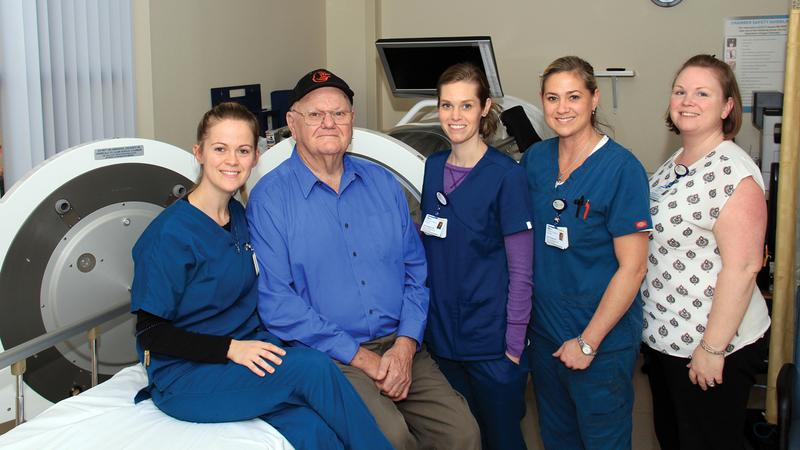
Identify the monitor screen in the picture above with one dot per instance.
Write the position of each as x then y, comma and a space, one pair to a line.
413, 65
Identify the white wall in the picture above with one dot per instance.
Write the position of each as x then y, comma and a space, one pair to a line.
192, 46
186, 47
350, 37
527, 35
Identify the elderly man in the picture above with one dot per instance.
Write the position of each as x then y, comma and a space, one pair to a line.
343, 271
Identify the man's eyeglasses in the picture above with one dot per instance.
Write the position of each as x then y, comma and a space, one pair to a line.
315, 118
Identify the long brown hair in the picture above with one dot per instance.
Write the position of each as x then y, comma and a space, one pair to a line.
472, 74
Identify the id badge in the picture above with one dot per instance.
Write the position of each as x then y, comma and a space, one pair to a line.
556, 236
434, 226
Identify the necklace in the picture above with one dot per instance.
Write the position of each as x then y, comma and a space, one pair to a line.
563, 174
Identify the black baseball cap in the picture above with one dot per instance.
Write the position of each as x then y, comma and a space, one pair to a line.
317, 79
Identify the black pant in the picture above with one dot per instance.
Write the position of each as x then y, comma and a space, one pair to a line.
688, 418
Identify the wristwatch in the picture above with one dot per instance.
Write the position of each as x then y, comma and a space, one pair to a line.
586, 349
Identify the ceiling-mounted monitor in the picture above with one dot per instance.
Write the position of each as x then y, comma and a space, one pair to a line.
413, 65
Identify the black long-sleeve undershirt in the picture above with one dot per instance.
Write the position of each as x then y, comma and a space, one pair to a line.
159, 335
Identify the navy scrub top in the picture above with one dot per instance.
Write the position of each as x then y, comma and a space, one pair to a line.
569, 284
468, 270
194, 273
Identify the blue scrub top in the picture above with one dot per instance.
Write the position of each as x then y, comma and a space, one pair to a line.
194, 273
468, 270
568, 284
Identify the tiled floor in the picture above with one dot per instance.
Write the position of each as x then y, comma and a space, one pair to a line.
644, 437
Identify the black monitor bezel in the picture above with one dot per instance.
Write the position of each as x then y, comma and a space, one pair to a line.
484, 44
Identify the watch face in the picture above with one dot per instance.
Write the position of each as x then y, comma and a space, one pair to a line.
666, 3
586, 350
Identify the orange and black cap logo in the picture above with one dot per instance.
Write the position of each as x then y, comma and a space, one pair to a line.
320, 76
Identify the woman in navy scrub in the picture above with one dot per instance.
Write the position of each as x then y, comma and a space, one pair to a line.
478, 242
207, 356
590, 201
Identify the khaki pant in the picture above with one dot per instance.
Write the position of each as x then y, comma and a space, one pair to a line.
434, 416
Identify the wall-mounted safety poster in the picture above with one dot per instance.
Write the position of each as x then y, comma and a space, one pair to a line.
755, 48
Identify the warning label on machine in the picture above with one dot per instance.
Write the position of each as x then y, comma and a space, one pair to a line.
119, 152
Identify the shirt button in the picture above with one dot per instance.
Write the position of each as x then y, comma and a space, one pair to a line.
371, 311
355, 254
346, 225
363, 283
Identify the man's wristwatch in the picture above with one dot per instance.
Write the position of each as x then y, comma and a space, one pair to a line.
586, 349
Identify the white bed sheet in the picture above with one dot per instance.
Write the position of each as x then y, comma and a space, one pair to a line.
105, 417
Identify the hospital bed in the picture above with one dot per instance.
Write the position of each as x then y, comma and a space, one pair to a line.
105, 417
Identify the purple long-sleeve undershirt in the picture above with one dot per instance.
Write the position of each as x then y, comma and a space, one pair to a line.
519, 256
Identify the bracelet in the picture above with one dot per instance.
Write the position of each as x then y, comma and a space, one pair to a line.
704, 345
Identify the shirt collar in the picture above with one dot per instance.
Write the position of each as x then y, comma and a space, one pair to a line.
308, 180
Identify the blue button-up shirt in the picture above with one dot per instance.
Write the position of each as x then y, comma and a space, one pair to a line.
337, 269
